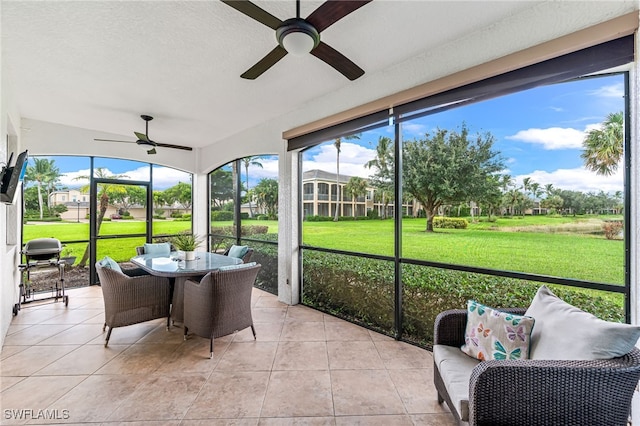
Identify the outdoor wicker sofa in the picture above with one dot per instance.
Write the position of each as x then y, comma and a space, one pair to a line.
531, 392
220, 303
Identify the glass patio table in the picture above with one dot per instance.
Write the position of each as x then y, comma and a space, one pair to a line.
179, 270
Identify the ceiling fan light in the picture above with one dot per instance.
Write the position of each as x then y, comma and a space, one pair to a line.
298, 43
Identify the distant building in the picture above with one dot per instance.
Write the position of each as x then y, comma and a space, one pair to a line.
320, 197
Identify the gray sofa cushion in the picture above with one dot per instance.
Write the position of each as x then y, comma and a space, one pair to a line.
455, 368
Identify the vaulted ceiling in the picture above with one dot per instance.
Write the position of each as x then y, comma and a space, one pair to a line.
100, 64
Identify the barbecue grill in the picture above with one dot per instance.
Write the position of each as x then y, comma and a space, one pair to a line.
41, 253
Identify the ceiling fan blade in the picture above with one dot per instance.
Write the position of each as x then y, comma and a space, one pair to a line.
265, 63
166, 145
151, 151
255, 12
332, 11
337, 60
112, 140
142, 137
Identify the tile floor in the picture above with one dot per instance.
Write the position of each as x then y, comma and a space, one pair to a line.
306, 368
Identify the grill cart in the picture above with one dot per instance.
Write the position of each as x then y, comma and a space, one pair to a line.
41, 253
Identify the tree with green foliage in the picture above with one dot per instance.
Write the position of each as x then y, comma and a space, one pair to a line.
448, 168
603, 148
105, 192
250, 161
179, 193
132, 195
384, 169
337, 143
266, 193
220, 187
355, 187
44, 173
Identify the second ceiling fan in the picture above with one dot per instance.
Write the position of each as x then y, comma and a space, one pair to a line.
143, 139
301, 36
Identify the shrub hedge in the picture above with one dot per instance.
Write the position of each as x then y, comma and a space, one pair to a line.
450, 222
362, 290
221, 216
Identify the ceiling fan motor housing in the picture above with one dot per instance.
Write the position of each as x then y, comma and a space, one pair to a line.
297, 25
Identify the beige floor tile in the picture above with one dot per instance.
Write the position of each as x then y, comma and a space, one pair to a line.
162, 335
161, 397
265, 332
86, 359
304, 314
221, 422
96, 398
269, 302
269, 314
33, 316
301, 356
433, 420
7, 382
233, 394
192, 356
33, 359
344, 331
303, 332
249, 356
392, 420
75, 316
353, 355
138, 359
298, 394
35, 393
297, 421
364, 392
379, 337
7, 351
14, 328
126, 335
35, 334
76, 335
331, 318
416, 389
398, 355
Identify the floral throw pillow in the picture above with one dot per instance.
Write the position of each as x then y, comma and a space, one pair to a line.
493, 334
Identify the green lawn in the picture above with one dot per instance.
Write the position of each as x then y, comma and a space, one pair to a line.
557, 246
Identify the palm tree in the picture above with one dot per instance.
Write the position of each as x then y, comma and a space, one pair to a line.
250, 161
382, 180
43, 172
604, 147
356, 187
338, 143
104, 192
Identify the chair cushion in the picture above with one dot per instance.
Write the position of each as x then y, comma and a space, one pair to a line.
109, 263
455, 369
565, 332
238, 251
238, 266
159, 249
493, 334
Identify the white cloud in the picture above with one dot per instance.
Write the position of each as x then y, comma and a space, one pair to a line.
352, 159
578, 179
551, 138
413, 129
163, 177
612, 91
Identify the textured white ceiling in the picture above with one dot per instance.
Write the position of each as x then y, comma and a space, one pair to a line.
100, 64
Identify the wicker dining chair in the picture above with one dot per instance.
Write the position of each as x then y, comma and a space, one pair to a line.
539, 392
220, 303
131, 300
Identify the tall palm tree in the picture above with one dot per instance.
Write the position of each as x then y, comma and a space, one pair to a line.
604, 147
338, 144
382, 180
43, 172
356, 187
104, 192
250, 161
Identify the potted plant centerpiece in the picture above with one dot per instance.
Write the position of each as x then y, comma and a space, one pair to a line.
187, 242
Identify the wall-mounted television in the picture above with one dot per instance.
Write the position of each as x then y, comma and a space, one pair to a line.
11, 176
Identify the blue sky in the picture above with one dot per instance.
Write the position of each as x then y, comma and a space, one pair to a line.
538, 133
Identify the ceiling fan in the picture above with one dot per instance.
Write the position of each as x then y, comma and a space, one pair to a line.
143, 139
301, 36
